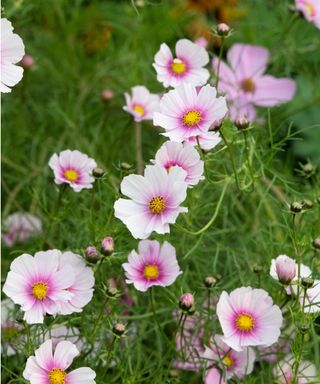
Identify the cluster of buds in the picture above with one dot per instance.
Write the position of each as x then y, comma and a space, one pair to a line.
106, 248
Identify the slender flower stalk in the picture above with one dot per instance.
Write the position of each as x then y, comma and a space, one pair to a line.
139, 157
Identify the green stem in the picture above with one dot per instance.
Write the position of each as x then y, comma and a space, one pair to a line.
248, 159
219, 62
95, 329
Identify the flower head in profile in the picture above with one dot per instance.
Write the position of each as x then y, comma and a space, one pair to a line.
155, 200
38, 283
310, 10
248, 318
185, 112
245, 84
50, 364
284, 373
19, 227
231, 362
185, 67
152, 265
12, 51
74, 168
141, 104
181, 155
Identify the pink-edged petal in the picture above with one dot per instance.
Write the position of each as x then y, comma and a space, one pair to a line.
64, 354
44, 356
196, 55
271, 91
82, 375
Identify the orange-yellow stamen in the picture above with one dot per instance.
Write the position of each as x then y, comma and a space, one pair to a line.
310, 8
151, 272
245, 322
248, 85
227, 361
140, 110
191, 118
157, 204
56, 376
71, 175
178, 67
39, 290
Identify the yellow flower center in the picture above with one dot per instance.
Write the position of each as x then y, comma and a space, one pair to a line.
178, 67
228, 361
248, 85
310, 8
140, 110
71, 175
191, 118
245, 323
157, 204
151, 272
56, 376
40, 290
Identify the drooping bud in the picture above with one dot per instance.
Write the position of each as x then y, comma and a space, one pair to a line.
296, 207
107, 94
98, 172
241, 123
223, 29
210, 281
186, 301
107, 246
316, 243
92, 254
119, 329
285, 268
27, 61
307, 282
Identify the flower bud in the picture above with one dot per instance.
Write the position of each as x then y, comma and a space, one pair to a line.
223, 29
92, 254
241, 123
257, 268
112, 291
27, 61
210, 281
98, 172
304, 327
308, 168
285, 268
307, 203
316, 243
107, 246
296, 207
186, 301
125, 166
106, 94
307, 282
119, 329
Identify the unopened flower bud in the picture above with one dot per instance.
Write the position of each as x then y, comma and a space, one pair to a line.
304, 327
106, 94
308, 168
119, 329
316, 243
307, 282
125, 166
92, 254
257, 268
223, 29
98, 172
285, 268
296, 207
210, 281
242, 123
307, 203
27, 61
186, 301
107, 246
191, 311
111, 291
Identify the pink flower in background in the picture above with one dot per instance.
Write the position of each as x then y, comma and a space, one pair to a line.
214, 376
181, 155
310, 10
152, 265
312, 300
11, 330
107, 94
49, 365
38, 283
283, 268
74, 168
61, 333
231, 362
248, 318
82, 287
186, 67
245, 84
185, 112
207, 140
202, 42
27, 61
284, 373
12, 51
19, 227
155, 200
142, 104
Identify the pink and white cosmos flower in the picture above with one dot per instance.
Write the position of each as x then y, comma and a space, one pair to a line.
310, 10
248, 318
245, 84
152, 265
74, 168
142, 104
284, 373
186, 67
155, 200
12, 51
185, 112
181, 155
19, 227
82, 287
49, 365
231, 362
38, 283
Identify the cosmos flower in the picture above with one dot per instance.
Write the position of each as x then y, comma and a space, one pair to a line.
50, 364
186, 67
142, 104
38, 283
231, 362
155, 200
19, 227
248, 318
283, 268
245, 84
181, 155
310, 10
12, 51
185, 112
284, 371
74, 168
152, 265
11, 330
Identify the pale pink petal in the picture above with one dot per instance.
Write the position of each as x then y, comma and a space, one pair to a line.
271, 91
